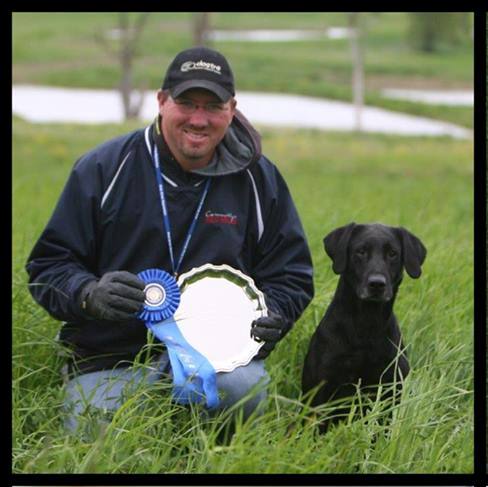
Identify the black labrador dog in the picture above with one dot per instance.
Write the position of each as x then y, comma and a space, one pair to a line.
358, 339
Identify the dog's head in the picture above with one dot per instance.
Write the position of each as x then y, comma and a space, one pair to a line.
372, 257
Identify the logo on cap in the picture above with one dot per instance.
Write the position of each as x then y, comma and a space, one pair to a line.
190, 65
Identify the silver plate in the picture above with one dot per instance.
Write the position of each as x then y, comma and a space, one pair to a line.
218, 304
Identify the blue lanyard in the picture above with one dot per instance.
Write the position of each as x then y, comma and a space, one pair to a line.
167, 226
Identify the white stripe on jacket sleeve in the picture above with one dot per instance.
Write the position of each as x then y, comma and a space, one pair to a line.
258, 206
111, 185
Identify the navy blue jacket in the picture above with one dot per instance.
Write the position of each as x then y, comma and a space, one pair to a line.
109, 218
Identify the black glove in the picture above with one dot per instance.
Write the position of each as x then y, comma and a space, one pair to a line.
270, 329
117, 296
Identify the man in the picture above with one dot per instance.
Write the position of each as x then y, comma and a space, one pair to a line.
108, 226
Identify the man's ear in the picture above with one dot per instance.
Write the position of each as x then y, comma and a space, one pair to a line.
162, 96
233, 105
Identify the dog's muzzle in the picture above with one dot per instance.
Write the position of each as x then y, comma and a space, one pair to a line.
376, 288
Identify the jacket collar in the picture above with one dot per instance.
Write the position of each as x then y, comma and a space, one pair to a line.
239, 149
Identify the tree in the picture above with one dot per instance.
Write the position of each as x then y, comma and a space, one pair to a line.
357, 67
429, 31
201, 27
128, 37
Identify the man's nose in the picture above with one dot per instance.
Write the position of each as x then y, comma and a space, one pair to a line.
199, 116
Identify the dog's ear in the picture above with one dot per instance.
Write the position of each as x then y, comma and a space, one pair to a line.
336, 243
414, 252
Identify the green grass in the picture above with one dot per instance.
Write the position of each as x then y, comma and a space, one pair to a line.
424, 184
60, 49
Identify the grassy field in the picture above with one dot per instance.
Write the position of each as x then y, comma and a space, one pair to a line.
60, 49
420, 183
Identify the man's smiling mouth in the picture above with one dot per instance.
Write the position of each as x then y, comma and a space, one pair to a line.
198, 136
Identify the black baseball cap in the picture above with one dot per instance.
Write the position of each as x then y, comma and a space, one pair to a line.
200, 67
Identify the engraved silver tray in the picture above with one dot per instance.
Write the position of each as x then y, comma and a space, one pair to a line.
218, 304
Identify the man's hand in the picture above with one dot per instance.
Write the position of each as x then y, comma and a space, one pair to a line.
270, 329
117, 296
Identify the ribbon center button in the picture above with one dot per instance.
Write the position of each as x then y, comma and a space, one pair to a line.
155, 294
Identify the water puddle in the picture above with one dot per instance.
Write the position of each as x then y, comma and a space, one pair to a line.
433, 97
276, 35
41, 104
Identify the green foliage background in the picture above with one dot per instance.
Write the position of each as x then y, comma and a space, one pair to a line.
60, 49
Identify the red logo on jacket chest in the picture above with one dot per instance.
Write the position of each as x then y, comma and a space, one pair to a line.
225, 218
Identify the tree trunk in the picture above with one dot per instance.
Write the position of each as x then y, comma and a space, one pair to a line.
127, 52
125, 58
357, 68
201, 26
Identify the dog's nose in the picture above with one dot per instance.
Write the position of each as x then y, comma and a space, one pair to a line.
376, 282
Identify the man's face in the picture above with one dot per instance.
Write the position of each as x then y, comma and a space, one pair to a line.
194, 124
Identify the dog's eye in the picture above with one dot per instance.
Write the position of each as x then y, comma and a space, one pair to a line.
392, 253
361, 252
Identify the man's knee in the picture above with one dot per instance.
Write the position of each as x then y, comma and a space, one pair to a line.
97, 395
91, 397
250, 380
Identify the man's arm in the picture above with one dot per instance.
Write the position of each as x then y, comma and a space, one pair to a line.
282, 264
62, 261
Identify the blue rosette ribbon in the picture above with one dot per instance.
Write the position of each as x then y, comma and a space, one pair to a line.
194, 378
162, 295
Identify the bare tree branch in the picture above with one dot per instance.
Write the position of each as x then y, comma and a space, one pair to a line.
139, 25
129, 36
125, 48
101, 39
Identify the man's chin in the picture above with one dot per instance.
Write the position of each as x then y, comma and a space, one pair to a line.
196, 152
195, 161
